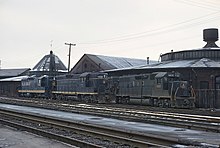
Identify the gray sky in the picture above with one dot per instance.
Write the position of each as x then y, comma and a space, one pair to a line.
124, 28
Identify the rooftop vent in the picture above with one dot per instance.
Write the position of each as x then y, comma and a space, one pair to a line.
210, 36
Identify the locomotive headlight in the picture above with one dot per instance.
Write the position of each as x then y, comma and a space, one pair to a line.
103, 81
183, 86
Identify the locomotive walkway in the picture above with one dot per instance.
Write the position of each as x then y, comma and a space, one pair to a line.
159, 135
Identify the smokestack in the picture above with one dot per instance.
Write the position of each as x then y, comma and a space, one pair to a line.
210, 36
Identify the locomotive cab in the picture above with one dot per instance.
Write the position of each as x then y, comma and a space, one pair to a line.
35, 87
182, 95
170, 91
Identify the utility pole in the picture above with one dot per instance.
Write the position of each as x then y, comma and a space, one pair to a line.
70, 44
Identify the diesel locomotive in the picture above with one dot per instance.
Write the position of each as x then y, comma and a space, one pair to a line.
87, 87
164, 89
155, 89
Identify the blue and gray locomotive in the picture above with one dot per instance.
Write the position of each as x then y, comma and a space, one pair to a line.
164, 89
86, 87
33, 86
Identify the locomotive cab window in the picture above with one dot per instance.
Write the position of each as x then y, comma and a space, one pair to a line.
82, 79
165, 83
159, 81
39, 82
42, 82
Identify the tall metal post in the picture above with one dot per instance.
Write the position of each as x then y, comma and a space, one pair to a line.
70, 44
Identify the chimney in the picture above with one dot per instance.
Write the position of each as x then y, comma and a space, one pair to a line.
148, 61
210, 36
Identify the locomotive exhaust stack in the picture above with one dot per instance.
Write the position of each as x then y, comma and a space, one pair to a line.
210, 36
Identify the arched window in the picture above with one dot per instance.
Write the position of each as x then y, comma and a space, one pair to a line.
85, 66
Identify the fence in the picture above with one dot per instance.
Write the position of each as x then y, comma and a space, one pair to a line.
208, 98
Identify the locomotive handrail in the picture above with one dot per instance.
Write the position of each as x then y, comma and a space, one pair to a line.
193, 92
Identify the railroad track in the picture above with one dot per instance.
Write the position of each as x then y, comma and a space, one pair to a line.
46, 126
199, 122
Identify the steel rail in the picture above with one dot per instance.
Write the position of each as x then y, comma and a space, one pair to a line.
57, 137
162, 121
199, 122
127, 137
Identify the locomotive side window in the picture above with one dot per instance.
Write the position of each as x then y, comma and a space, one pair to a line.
133, 83
142, 83
87, 81
82, 79
165, 83
42, 82
39, 82
159, 81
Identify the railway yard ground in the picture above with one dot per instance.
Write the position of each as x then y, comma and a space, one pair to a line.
13, 138
115, 125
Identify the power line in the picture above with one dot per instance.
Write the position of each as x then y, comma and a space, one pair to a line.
206, 5
164, 29
187, 26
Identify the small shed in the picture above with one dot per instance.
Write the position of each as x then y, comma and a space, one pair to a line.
9, 86
10, 80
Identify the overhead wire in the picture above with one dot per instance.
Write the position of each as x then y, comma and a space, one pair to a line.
200, 4
157, 31
153, 32
187, 26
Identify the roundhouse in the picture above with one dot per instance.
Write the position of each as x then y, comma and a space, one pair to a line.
201, 67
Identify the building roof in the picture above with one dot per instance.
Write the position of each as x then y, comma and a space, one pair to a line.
109, 62
196, 63
178, 64
117, 62
14, 79
101, 62
4, 73
44, 63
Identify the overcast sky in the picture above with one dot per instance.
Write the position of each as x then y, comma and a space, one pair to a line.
123, 28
